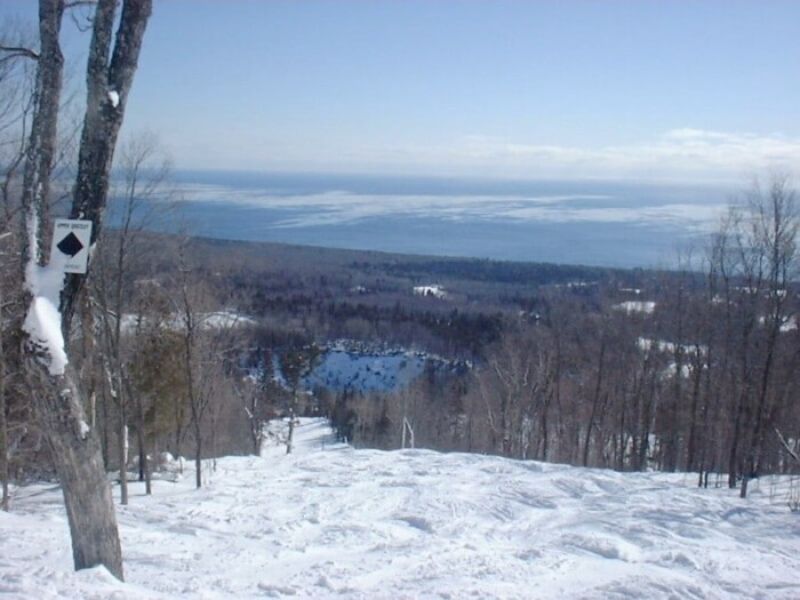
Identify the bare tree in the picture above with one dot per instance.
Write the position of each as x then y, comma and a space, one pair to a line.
257, 393
5, 500
75, 446
133, 210
206, 339
297, 363
155, 373
773, 224
197, 392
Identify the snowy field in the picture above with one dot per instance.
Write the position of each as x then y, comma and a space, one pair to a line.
333, 522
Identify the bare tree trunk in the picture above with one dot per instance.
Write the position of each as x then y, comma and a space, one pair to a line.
5, 501
105, 443
410, 431
644, 441
214, 421
75, 451
178, 430
140, 448
144, 462
191, 392
74, 445
198, 456
754, 451
733, 455
292, 405
544, 429
256, 424
40, 153
123, 460
705, 433
691, 456
188, 343
595, 401
78, 461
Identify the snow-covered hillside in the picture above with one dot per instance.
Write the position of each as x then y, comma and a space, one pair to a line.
333, 522
342, 369
364, 367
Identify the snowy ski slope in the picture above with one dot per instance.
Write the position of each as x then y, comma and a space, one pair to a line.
333, 522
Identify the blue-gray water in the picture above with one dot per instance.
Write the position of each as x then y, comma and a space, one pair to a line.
577, 222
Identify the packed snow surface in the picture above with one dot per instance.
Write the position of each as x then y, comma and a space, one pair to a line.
332, 522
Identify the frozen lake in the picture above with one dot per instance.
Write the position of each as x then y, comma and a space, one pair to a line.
573, 222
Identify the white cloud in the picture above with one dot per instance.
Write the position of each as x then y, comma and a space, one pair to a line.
680, 154
683, 153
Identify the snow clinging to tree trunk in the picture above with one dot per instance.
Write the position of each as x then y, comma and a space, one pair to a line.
43, 321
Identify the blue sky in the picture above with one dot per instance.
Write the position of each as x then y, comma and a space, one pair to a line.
668, 89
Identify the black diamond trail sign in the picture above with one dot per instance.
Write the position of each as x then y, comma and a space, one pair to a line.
71, 239
70, 245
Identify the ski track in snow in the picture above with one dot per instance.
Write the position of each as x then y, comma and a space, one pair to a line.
332, 522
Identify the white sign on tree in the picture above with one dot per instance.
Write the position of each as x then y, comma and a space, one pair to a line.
71, 241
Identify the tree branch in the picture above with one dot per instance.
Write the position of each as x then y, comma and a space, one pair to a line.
786, 446
18, 52
82, 27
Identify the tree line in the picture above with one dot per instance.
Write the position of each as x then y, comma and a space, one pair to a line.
701, 375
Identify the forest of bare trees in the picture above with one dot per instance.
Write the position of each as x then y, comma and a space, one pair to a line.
704, 379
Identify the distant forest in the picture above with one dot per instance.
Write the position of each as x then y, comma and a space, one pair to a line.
693, 369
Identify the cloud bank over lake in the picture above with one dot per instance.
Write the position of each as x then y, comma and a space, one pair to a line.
584, 222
